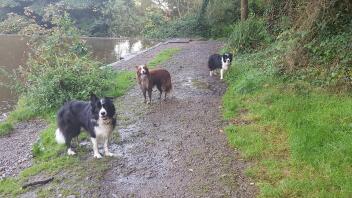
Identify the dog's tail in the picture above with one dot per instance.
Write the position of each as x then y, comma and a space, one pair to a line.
59, 137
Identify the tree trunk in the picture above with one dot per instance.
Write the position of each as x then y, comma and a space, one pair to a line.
202, 11
244, 10
178, 8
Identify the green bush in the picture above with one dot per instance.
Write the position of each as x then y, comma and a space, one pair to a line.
249, 35
61, 69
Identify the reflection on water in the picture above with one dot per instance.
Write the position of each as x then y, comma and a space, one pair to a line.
109, 50
14, 52
12, 55
125, 47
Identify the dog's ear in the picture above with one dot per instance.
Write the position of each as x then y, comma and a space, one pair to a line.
137, 67
231, 55
93, 98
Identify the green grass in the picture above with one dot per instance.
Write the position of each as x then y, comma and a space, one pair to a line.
298, 136
162, 57
22, 112
121, 82
49, 157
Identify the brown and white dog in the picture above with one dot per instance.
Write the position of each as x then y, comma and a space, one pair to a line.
148, 79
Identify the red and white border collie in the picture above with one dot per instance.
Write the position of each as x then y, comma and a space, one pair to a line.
147, 79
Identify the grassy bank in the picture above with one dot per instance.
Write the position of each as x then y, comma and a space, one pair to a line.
297, 136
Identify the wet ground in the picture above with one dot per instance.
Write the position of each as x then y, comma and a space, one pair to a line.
176, 148
173, 148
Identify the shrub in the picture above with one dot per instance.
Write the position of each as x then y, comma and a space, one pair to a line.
335, 57
61, 69
249, 34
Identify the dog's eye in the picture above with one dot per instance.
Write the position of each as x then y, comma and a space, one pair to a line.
99, 105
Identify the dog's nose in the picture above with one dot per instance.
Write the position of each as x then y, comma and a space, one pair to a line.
103, 113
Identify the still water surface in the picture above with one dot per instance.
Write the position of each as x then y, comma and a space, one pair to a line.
14, 53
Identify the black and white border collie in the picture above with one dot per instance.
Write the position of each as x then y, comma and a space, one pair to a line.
222, 62
96, 117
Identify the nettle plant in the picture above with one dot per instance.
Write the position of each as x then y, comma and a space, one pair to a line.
60, 68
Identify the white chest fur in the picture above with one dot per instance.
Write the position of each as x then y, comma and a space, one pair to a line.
224, 65
144, 81
103, 130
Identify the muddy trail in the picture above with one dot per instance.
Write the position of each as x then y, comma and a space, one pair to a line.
176, 148
173, 148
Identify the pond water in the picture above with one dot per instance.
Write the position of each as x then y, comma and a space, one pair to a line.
14, 53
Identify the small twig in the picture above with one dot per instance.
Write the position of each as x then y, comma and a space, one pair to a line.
45, 181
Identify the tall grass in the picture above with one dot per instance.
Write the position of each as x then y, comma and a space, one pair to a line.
298, 136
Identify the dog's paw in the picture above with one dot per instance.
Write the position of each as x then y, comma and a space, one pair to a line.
70, 152
110, 154
97, 155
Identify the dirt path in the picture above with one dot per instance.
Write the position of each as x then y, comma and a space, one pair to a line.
176, 148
